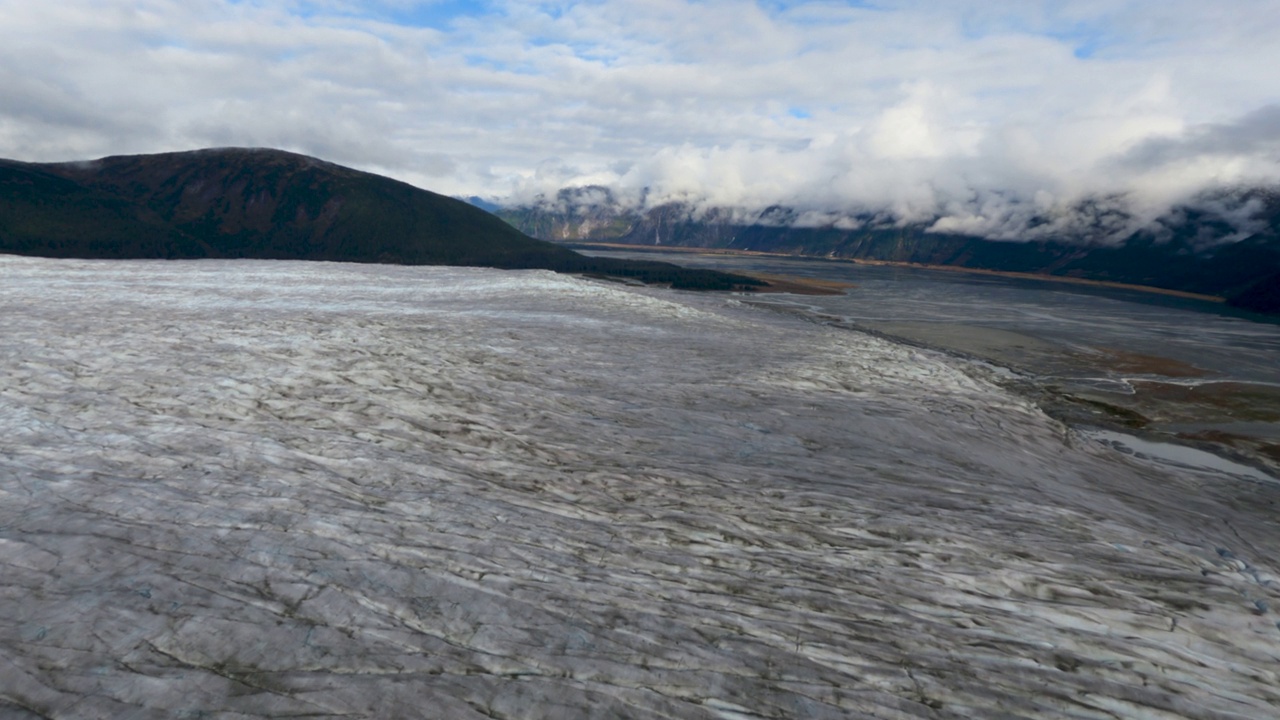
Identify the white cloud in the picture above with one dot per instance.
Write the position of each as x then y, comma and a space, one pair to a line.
924, 109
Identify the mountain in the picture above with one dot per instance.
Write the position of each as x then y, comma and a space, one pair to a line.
270, 204
1198, 248
1262, 296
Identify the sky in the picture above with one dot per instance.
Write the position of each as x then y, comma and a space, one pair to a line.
971, 115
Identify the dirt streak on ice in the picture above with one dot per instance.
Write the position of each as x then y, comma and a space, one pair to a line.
251, 489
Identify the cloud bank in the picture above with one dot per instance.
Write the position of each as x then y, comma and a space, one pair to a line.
979, 117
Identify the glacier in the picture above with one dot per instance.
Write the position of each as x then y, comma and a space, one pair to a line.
252, 489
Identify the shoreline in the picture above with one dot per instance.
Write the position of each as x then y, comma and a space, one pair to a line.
1173, 403
917, 266
798, 284
1137, 415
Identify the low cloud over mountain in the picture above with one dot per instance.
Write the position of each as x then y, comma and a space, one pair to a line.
994, 191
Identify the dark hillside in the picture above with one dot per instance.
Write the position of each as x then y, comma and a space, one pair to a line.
44, 214
1263, 296
273, 204
269, 204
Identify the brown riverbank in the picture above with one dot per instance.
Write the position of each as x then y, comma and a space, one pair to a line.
799, 285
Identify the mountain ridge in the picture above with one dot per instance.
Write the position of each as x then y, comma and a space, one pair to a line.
271, 204
1191, 249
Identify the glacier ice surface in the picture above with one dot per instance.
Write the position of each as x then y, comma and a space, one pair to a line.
272, 489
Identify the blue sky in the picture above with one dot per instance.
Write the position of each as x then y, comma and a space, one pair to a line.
972, 113
437, 15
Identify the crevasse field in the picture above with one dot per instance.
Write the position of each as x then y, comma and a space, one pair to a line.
270, 489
